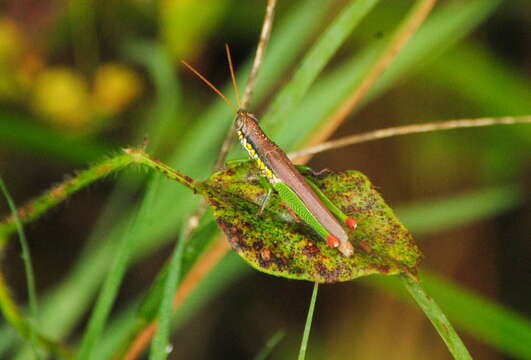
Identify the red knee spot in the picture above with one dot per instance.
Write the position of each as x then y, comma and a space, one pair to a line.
332, 241
351, 223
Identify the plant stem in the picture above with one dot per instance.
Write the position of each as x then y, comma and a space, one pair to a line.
308, 326
53, 197
251, 81
437, 318
407, 130
141, 157
39, 206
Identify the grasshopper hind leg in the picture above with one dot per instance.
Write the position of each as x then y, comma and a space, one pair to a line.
347, 220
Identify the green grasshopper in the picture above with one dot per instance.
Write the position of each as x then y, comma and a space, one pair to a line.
300, 194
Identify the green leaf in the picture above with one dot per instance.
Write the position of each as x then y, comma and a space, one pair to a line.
276, 244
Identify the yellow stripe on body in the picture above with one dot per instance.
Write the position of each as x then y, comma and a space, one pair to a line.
254, 155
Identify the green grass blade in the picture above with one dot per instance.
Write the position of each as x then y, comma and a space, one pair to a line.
230, 269
270, 345
28, 268
20, 132
164, 119
316, 59
162, 336
437, 318
442, 30
308, 326
116, 273
459, 210
467, 70
492, 323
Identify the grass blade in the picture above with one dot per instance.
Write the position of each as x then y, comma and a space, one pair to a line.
308, 326
162, 336
438, 215
270, 345
493, 323
437, 318
316, 59
28, 267
20, 132
116, 273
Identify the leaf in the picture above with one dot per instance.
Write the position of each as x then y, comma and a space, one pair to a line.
276, 244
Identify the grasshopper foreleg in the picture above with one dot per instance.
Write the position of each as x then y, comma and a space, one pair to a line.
267, 196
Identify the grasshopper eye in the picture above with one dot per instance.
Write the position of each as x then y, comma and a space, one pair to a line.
238, 122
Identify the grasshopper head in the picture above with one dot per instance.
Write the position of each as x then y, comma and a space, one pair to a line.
245, 122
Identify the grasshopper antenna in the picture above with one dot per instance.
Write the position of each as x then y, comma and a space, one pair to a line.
232, 76
190, 67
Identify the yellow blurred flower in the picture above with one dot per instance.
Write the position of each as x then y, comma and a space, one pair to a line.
115, 87
11, 42
11, 45
61, 97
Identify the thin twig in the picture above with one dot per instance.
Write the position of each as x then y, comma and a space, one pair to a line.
216, 253
260, 50
407, 130
401, 37
251, 81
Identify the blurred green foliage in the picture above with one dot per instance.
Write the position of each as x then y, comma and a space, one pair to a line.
81, 79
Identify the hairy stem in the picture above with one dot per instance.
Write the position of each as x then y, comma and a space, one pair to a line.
56, 195
53, 197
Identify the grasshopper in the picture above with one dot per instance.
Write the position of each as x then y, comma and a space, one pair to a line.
300, 194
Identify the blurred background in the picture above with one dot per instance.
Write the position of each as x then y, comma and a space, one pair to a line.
79, 80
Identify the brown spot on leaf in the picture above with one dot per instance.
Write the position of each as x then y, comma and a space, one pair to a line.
365, 246
325, 274
258, 245
265, 254
310, 250
383, 269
